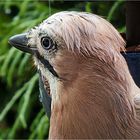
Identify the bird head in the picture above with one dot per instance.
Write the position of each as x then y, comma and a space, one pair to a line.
79, 55
65, 41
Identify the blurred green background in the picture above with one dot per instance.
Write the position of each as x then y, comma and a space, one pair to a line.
21, 114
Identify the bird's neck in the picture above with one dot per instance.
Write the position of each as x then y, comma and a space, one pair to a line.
97, 104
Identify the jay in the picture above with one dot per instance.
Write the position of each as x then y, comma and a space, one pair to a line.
93, 93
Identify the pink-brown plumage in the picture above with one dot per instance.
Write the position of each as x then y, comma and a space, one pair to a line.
93, 93
96, 91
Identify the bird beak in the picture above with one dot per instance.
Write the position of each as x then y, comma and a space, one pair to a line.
20, 42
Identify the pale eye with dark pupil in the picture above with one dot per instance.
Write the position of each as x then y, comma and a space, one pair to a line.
46, 43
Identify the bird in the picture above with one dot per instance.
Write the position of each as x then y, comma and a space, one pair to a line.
92, 91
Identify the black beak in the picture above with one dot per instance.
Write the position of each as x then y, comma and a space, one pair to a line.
20, 42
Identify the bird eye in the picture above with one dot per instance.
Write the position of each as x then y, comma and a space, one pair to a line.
47, 43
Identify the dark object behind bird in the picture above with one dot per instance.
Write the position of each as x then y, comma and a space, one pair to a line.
133, 61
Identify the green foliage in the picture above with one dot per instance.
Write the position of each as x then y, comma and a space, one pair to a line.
21, 114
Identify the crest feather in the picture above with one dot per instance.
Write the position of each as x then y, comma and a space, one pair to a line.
85, 32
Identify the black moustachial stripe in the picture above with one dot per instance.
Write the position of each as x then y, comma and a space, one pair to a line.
46, 64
